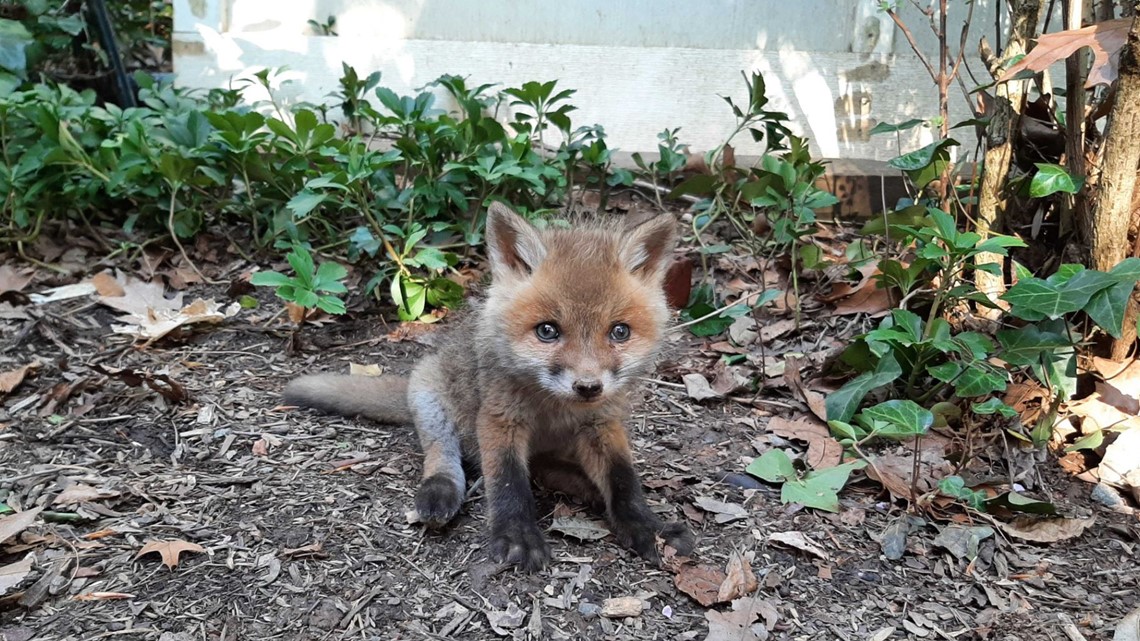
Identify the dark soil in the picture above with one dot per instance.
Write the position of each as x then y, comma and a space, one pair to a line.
302, 517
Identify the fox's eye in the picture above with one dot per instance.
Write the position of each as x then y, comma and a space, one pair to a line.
547, 332
620, 332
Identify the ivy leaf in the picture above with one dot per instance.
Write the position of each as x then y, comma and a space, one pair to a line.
905, 418
820, 489
994, 406
946, 372
1106, 307
979, 381
1024, 345
773, 466
1051, 179
841, 405
887, 128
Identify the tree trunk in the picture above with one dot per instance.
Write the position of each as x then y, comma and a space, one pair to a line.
1075, 66
1000, 133
1106, 229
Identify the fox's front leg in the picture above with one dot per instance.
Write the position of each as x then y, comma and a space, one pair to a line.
514, 534
606, 458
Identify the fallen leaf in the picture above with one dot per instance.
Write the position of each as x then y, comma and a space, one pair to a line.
770, 331
1046, 530
895, 468
722, 512
815, 401
698, 388
579, 528
1120, 465
503, 621
1106, 39
823, 450
739, 623
799, 541
355, 369
169, 388
13, 524
622, 607
12, 378
65, 292
963, 540
13, 574
1129, 627
678, 283
702, 582
739, 579
103, 596
170, 550
80, 492
106, 285
870, 300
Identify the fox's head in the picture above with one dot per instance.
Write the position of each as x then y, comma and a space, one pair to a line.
580, 312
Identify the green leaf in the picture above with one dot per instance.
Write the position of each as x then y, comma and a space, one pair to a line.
980, 380
302, 262
270, 279
925, 164
331, 305
1015, 502
432, 258
1089, 441
955, 487
841, 405
1051, 179
994, 406
998, 245
248, 302
14, 41
773, 466
304, 202
306, 298
1106, 308
329, 274
946, 372
698, 185
905, 418
1025, 345
820, 489
1035, 299
886, 128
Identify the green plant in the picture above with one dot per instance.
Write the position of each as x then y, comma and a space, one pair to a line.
811, 488
311, 286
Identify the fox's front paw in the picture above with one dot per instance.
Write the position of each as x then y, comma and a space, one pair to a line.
641, 537
438, 500
521, 545
678, 536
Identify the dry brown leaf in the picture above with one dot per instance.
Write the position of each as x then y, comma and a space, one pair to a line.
799, 541
722, 512
11, 379
738, 623
815, 401
1041, 530
739, 579
770, 331
698, 387
102, 596
12, 280
81, 492
106, 285
1121, 385
13, 524
702, 582
1106, 39
823, 450
170, 550
1129, 627
13, 574
870, 300
894, 468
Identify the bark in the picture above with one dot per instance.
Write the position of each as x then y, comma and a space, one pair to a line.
1000, 133
1075, 66
1106, 229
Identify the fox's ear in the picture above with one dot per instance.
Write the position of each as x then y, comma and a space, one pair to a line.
513, 244
645, 251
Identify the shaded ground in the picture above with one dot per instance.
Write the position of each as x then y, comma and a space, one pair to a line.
302, 516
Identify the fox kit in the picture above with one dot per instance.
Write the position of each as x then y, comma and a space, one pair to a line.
534, 380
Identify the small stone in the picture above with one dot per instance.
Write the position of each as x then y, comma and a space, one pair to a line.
589, 610
622, 607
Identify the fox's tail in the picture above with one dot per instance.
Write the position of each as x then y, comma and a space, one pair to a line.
380, 398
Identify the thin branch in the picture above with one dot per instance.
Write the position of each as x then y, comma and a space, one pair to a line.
913, 44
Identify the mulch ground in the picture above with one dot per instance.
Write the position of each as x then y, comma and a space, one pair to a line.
302, 518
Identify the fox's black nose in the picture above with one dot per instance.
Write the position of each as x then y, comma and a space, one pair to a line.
588, 389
